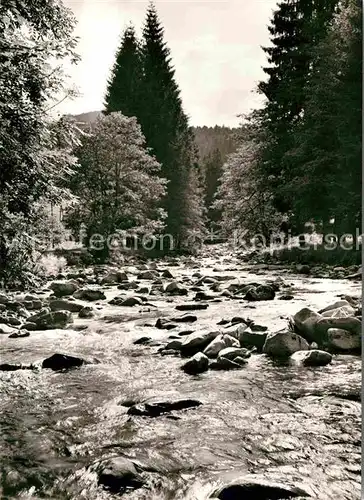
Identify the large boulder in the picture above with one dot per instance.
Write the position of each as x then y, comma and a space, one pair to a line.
221, 342
174, 288
256, 489
148, 275
335, 305
344, 311
234, 352
65, 305
284, 344
339, 339
253, 339
87, 312
52, 320
225, 364
213, 349
64, 288
157, 407
118, 475
89, 294
62, 362
352, 324
199, 363
305, 322
197, 341
313, 357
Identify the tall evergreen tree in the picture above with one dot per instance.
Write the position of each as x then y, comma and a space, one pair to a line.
166, 127
297, 26
122, 93
326, 156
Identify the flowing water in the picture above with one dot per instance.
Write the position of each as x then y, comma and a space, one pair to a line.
286, 424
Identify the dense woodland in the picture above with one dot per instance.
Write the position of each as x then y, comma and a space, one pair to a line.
139, 168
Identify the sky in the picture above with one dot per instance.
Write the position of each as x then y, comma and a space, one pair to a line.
215, 48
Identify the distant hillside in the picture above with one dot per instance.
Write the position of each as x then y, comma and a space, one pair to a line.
210, 139
89, 117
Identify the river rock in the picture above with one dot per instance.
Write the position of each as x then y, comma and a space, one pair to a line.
119, 474
313, 357
185, 318
352, 324
157, 408
343, 340
62, 362
191, 307
148, 275
4, 298
12, 367
305, 322
114, 277
336, 305
167, 274
303, 269
50, 320
63, 288
89, 294
130, 302
284, 344
165, 324
224, 364
199, 363
233, 352
19, 334
253, 339
174, 288
236, 330
261, 292
174, 344
197, 341
65, 305
87, 312
6, 329
213, 349
256, 489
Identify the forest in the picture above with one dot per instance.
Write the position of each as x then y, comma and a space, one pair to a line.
140, 167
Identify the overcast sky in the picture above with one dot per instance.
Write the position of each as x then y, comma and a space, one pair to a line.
215, 48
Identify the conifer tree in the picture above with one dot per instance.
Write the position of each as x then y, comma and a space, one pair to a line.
166, 128
326, 156
123, 86
297, 26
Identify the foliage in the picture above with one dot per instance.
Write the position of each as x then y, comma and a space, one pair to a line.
326, 155
154, 99
123, 89
35, 152
296, 28
245, 204
117, 181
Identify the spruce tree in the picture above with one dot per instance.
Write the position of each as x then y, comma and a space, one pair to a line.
326, 156
297, 26
122, 93
166, 129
